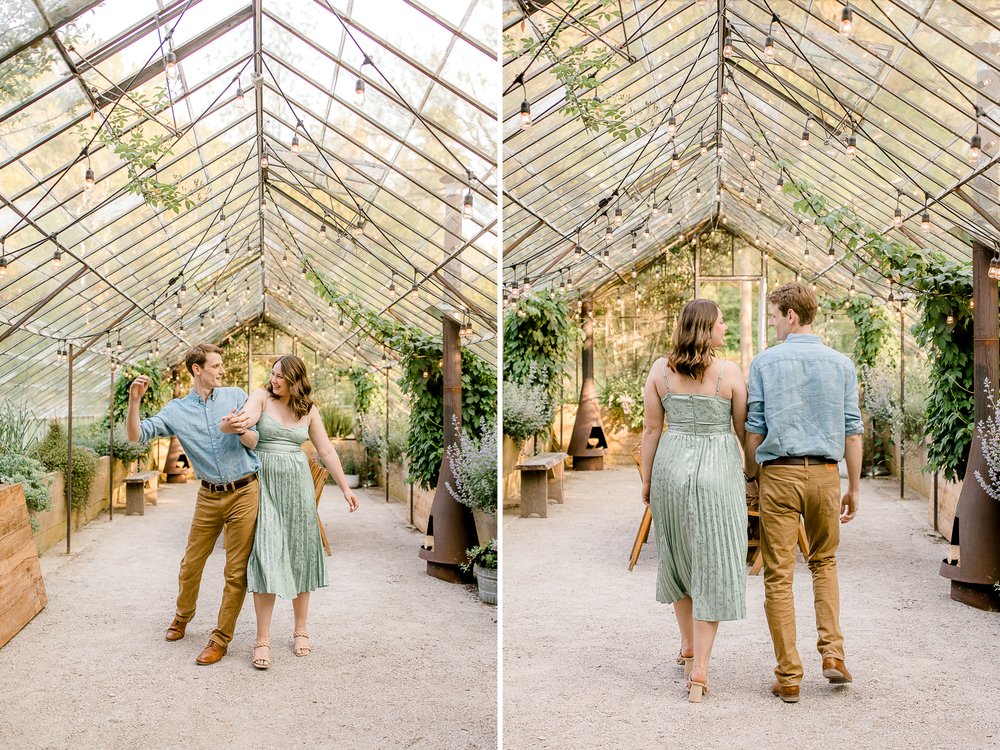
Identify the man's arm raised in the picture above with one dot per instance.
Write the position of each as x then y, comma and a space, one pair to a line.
135, 393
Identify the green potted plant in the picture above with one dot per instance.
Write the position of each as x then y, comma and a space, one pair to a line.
474, 466
483, 562
351, 470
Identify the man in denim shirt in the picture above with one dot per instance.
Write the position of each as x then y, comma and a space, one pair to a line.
802, 419
219, 446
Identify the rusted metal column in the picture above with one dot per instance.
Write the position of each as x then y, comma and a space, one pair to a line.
588, 444
69, 452
978, 522
451, 528
111, 444
902, 396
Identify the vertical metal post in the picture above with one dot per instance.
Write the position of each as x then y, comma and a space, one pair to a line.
902, 402
69, 455
249, 362
111, 444
386, 457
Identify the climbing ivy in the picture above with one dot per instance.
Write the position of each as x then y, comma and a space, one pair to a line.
539, 334
420, 359
940, 287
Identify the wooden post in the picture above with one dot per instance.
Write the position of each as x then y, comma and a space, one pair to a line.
902, 396
386, 451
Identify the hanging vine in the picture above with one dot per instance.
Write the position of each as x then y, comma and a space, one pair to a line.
422, 379
941, 289
578, 68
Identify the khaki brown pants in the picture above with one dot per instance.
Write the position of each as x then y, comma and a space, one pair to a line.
786, 493
236, 512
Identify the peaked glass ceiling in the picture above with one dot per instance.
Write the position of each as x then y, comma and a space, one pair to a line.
907, 83
277, 156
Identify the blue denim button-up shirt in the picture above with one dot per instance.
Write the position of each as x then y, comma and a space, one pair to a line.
216, 457
803, 397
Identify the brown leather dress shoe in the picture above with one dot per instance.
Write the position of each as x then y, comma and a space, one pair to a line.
787, 693
836, 671
211, 654
176, 630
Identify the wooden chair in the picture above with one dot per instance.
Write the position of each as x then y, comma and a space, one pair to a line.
647, 515
755, 557
319, 475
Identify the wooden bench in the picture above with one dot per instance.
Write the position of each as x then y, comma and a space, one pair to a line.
541, 479
140, 488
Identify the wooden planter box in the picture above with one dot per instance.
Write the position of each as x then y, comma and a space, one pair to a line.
22, 592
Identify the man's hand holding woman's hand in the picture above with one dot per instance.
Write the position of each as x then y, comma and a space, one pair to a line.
234, 423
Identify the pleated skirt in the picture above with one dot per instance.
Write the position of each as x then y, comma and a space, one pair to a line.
697, 497
287, 557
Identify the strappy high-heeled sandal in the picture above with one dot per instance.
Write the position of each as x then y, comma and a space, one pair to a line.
303, 650
261, 662
686, 661
697, 690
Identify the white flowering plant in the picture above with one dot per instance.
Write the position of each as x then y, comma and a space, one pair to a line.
989, 441
622, 396
474, 466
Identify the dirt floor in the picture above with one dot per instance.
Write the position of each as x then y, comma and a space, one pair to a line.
400, 659
589, 654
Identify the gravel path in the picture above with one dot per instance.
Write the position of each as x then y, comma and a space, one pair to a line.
589, 654
400, 659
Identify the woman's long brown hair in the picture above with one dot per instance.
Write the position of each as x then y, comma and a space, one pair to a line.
293, 370
692, 352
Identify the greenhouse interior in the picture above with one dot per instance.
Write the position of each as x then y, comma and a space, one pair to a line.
658, 152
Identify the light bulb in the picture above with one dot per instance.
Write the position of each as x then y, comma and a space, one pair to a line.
619, 217
608, 235
359, 229
897, 218
975, 148
672, 126
949, 319
57, 259
846, 21
88, 180
296, 148
852, 146
225, 249
241, 100
675, 160
359, 92
264, 162
804, 140
222, 217
3, 266
925, 221
525, 114
670, 211
578, 251
724, 96
467, 205
727, 46
769, 48
780, 183
171, 67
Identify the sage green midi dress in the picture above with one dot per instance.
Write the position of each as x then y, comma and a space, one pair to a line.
697, 496
287, 557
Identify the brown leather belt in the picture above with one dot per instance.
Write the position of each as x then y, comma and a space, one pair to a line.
231, 486
799, 461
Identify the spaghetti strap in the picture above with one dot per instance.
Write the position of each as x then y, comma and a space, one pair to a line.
718, 383
666, 380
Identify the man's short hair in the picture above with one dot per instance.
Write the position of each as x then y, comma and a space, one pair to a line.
798, 297
196, 355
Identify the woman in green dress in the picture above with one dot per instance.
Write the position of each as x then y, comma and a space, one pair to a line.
694, 484
287, 558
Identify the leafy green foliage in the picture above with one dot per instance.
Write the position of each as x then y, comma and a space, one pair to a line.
337, 422
527, 410
622, 396
578, 69
367, 394
17, 468
51, 451
422, 380
941, 287
538, 339
19, 428
121, 132
95, 437
156, 396
485, 556
474, 466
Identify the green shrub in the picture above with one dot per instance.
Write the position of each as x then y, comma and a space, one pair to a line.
527, 410
95, 437
52, 453
485, 556
349, 464
622, 396
33, 478
337, 422
19, 429
474, 466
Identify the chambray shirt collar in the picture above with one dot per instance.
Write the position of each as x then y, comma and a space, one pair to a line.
193, 395
802, 338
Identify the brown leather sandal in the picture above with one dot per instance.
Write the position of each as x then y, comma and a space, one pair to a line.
303, 650
697, 690
261, 662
